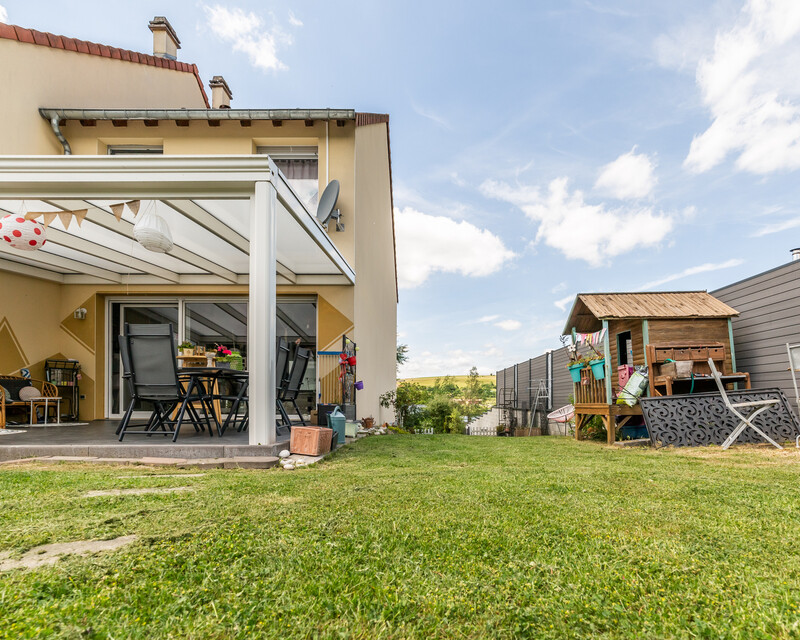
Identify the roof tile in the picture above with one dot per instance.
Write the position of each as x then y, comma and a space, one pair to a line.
94, 48
7, 31
24, 35
40, 37
69, 44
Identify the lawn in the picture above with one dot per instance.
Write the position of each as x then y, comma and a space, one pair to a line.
418, 537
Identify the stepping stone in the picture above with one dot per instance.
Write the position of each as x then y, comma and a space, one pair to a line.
72, 458
135, 492
50, 553
203, 463
167, 475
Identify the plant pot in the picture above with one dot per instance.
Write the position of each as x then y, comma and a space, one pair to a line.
187, 352
575, 371
598, 369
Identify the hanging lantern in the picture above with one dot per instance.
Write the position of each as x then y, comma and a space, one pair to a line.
152, 232
22, 234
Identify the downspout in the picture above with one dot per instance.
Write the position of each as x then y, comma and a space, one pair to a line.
54, 124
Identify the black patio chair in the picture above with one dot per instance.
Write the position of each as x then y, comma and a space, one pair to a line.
238, 383
291, 387
153, 377
281, 375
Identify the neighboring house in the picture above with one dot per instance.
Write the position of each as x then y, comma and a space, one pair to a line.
70, 97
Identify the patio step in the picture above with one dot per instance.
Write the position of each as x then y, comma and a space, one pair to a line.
138, 452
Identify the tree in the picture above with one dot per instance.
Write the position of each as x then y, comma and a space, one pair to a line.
473, 394
402, 354
404, 400
445, 387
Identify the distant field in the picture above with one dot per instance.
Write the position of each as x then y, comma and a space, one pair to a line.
461, 381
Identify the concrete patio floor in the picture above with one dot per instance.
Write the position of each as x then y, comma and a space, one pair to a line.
97, 439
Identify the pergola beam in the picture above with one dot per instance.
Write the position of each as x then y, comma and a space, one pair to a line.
104, 218
50, 260
28, 270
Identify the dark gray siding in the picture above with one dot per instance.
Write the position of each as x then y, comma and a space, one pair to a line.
529, 373
769, 308
562, 383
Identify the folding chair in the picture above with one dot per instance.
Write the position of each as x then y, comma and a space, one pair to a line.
281, 370
153, 377
291, 387
755, 407
793, 351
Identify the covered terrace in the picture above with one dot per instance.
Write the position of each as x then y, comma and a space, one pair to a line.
234, 220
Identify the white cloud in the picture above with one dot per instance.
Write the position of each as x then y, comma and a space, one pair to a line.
629, 176
453, 362
691, 271
431, 115
777, 227
750, 86
488, 318
3, 14
294, 20
564, 302
590, 232
248, 34
508, 325
426, 244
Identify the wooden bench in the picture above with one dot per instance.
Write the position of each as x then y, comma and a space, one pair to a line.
663, 381
45, 389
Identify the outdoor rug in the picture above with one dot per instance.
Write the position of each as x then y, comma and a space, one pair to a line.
702, 419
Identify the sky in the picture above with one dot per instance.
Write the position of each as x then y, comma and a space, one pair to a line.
539, 149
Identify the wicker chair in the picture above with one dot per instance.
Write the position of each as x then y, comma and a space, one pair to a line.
46, 390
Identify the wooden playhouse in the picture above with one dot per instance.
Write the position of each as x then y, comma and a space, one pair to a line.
657, 330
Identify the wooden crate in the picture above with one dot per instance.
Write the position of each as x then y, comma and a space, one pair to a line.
310, 441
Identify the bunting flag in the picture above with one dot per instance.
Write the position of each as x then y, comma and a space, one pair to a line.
79, 214
591, 338
116, 209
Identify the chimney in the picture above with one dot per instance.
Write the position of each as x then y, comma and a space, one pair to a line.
220, 93
795, 254
165, 40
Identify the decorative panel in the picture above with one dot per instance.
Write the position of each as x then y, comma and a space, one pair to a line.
702, 419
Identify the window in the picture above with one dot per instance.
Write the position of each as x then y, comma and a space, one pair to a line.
135, 149
300, 165
625, 348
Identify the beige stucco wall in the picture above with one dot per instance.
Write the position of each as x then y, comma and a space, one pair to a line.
35, 76
376, 293
41, 323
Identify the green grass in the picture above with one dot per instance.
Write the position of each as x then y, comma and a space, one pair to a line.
419, 537
460, 381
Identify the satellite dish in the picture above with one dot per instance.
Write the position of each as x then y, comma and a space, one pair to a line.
327, 203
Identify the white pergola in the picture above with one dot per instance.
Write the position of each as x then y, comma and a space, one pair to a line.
234, 220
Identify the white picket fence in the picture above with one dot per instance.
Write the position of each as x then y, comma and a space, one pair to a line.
481, 430
424, 432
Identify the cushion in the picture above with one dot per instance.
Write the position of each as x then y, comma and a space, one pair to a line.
6, 393
28, 393
13, 386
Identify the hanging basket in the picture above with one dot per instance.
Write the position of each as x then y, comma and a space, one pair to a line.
598, 369
22, 234
152, 232
575, 371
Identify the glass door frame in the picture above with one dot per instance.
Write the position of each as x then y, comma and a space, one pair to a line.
181, 302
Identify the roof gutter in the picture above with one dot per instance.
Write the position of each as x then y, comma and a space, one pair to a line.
196, 114
55, 125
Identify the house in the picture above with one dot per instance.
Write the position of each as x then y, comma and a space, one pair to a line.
88, 126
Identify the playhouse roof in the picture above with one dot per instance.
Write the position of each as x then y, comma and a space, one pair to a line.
589, 309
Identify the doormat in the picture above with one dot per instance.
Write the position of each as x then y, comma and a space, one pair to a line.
10, 432
42, 425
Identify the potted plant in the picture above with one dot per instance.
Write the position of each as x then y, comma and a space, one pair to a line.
223, 354
598, 366
187, 348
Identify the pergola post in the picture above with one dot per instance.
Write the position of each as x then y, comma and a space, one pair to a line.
261, 327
